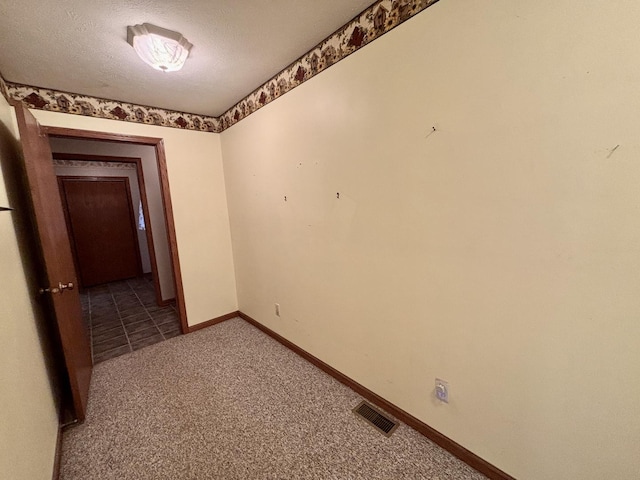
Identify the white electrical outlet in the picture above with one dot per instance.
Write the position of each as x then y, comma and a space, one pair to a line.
442, 390
277, 309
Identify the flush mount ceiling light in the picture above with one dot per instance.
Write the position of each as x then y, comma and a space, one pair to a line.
160, 48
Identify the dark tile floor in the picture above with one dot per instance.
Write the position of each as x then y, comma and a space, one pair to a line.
123, 316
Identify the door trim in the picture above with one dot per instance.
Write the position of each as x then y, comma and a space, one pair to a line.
161, 160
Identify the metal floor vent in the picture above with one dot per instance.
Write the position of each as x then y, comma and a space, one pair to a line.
375, 418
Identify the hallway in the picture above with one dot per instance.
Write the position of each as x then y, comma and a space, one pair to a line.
124, 316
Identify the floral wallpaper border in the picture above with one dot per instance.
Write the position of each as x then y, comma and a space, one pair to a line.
65, 102
375, 21
93, 164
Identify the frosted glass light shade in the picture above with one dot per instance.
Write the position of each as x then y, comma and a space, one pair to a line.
160, 48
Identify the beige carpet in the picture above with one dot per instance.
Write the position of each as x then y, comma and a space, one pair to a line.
228, 402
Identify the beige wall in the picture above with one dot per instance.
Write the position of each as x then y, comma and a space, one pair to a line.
28, 416
196, 182
501, 253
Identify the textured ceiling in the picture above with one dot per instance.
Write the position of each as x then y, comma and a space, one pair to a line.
80, 46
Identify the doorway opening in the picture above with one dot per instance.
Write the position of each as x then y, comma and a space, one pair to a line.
158, 291
128, 299
87, 158
56, 273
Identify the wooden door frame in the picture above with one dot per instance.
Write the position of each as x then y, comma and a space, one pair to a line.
67, 215
145, 208
161, 162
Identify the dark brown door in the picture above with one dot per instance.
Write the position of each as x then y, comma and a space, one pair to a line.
56, 257
102, 228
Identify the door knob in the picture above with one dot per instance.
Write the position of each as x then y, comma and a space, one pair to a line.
67, 286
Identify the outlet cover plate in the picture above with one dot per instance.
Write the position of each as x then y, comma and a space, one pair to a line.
442, 390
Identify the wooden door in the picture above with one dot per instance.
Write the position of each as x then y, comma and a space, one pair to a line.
56, 257
102, 227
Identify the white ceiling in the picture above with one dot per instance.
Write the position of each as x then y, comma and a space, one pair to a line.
80, 46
